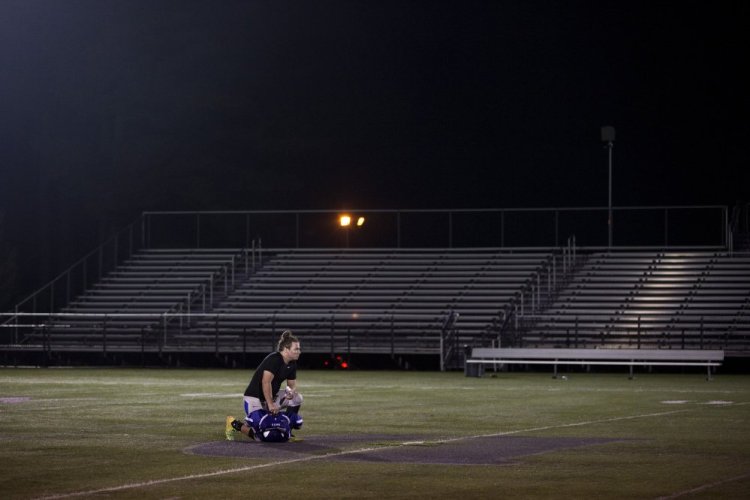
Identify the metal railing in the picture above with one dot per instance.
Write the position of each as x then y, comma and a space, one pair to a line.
83, 273
539, 290
669, 226
338, 333
674, 333
177, 331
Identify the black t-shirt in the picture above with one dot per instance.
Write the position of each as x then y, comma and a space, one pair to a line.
273, 363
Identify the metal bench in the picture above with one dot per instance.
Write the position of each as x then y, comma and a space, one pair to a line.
612, 357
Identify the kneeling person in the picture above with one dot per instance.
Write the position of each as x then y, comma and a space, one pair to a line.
267, 408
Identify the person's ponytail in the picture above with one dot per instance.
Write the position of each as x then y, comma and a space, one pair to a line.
286, 340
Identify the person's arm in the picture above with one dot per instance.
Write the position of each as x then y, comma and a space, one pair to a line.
292, 384
267, 392
291, 389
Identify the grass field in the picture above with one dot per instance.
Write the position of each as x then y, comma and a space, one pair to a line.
125, 433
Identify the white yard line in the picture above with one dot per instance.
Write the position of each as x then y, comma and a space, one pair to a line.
704, 487
156, 482
561, 426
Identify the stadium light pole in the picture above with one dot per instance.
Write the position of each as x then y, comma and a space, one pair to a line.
608, 137
345, 221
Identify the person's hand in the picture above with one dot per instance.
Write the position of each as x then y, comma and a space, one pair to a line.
273, 408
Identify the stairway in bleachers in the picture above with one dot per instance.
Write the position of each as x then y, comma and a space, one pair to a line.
667, 300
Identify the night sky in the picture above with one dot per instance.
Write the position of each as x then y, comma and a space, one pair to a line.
110, 108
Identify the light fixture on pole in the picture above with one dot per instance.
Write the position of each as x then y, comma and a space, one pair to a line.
608, 137
346, 221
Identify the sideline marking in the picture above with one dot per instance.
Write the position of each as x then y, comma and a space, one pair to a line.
343, 453
209, 395
561, 426
704, 487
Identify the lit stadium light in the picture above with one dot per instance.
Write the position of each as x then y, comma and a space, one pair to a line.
346, 221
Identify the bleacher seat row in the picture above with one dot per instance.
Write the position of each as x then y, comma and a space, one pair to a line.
629, 299
388, 300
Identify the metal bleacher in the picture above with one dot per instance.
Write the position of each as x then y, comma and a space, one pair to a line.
666, 300
405, 301
145, 295
370, 300
201, 284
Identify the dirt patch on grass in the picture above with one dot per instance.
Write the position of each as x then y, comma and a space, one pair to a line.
391, 448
